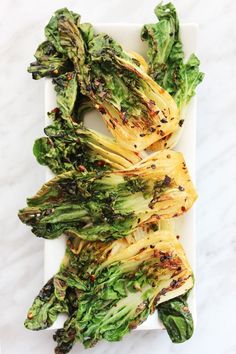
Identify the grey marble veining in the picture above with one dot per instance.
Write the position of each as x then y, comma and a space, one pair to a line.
21, 112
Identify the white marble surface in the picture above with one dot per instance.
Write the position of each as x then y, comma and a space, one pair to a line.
21, 107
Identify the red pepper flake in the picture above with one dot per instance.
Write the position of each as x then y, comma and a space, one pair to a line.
101, 163
49, 142
69, 76
92, 278
30, 316
156, 253
183, 208
81, 168
56, 110
71, 333
102, 110
133, 325
152, 113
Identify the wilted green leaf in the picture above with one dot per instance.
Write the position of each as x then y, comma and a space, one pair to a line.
177, 319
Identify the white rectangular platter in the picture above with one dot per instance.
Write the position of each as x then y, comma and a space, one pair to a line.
128, 35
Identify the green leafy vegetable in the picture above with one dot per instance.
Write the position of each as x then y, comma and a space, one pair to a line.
167, 67
45, 309
52, 62
122, 260
110, 205
66, 92
116, 286
136, 110
69, 145
177, 319
166, 56
191, 77
165, 51
51, 31
49, 62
